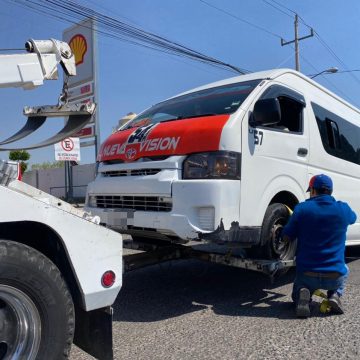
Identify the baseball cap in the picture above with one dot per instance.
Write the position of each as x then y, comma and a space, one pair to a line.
320, 182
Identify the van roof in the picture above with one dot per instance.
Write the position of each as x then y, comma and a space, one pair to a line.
270, 75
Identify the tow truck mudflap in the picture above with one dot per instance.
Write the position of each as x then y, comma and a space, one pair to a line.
93, 332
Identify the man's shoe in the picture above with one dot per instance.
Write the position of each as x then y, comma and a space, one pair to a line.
303, 304
335, 304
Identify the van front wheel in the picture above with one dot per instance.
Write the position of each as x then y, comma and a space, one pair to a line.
272, 246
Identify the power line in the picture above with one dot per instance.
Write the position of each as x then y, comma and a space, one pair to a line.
330, 82
283, 6
275, 7
293, 12
240, 19
70, 11
284, 61
336, 57
248, 22
327, 79
321, 40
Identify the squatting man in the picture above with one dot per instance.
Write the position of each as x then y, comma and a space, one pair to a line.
319, 224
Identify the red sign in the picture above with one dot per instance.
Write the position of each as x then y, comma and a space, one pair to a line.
85, 132
67, 144
85, 89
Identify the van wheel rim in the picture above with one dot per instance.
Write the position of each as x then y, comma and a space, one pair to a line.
280, 247
20, 325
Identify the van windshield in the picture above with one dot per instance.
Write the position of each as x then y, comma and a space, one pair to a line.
214, 101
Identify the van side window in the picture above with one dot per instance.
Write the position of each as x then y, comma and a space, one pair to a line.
333, 134
339, 137
291, 106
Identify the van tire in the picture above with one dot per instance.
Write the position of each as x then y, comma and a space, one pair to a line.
271, 245
29, 278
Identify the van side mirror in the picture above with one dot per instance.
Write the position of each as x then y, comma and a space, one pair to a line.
266, 112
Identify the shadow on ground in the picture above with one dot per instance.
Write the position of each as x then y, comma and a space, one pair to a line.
175, 288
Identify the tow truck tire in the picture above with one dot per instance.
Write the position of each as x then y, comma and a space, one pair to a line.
272, 245
37, 318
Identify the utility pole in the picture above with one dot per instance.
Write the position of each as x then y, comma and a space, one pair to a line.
296, 41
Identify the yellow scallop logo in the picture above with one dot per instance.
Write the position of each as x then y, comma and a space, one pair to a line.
78, 46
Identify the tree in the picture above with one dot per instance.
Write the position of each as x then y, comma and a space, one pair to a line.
21, 156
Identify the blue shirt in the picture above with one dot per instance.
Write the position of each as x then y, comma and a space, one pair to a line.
320, 225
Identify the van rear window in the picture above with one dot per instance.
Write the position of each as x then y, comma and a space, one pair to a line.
340, 137
214, 101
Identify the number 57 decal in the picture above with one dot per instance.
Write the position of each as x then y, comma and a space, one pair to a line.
258, 136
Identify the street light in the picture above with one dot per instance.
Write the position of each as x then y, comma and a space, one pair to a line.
331, 70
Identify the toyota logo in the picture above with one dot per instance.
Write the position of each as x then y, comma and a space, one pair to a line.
130, 153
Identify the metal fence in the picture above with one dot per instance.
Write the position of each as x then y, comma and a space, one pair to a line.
75, 193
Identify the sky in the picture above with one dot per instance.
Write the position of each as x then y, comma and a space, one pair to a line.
243, 33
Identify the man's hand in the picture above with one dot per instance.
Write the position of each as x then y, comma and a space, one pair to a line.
286, 239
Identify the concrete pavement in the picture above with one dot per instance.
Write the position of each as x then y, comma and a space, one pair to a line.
194, 310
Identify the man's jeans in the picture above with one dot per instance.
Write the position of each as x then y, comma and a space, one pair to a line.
317, 282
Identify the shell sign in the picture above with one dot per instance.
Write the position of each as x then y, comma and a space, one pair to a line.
79, 47
80, 38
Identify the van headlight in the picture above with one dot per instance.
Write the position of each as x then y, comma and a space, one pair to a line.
213, 165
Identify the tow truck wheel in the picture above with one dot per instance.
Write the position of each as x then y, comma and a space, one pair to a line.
272, 245
36, 310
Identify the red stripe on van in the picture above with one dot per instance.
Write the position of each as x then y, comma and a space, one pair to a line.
177, 137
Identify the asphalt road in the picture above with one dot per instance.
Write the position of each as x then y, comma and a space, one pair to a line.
194, 310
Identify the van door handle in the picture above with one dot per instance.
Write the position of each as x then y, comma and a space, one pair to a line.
302, 152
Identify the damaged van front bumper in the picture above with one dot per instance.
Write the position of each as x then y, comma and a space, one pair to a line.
244, 235
166, 207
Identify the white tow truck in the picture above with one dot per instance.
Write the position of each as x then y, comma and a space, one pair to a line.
60, 271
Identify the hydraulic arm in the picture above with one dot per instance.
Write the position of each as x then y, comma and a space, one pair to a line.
29, 70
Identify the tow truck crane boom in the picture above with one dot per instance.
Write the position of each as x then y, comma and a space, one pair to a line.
40, 63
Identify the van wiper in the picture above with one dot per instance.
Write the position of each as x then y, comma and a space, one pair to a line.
188, 117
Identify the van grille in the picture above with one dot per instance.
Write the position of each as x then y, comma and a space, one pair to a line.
141, 203
137, 172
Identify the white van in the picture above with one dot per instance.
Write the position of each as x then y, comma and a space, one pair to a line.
218, 163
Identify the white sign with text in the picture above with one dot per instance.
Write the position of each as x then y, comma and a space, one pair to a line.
68, 150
